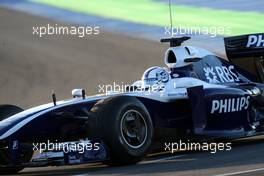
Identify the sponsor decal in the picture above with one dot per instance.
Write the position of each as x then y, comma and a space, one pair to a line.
230, 105
221, 74
255, 41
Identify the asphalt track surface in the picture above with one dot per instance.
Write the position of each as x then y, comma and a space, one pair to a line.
31, 66
245, 159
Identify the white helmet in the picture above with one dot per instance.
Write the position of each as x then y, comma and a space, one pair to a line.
155, 76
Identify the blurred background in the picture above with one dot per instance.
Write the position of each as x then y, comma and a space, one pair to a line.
128, 43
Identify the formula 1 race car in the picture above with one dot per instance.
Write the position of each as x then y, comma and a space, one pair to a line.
198, 94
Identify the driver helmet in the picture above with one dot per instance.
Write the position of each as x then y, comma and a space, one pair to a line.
155, 76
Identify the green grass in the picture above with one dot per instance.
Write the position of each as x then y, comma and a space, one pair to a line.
156, 13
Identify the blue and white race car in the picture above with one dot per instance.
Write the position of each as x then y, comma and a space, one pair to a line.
197, 94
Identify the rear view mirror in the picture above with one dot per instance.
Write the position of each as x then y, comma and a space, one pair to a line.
78, 93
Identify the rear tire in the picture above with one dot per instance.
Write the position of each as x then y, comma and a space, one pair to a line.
26, 154
126, 128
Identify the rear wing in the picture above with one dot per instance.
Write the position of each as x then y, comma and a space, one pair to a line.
251, 45
247, 51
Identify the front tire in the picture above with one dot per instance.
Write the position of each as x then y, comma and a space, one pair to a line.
126, 127
26, 154
8, 110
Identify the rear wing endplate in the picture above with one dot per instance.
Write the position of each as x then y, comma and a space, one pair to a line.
251, 45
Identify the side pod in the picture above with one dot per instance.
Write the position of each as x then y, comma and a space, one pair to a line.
196, 95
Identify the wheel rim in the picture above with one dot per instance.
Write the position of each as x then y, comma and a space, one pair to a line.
133, 129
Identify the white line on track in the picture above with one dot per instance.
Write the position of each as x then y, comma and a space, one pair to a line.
162, 159
241, 172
